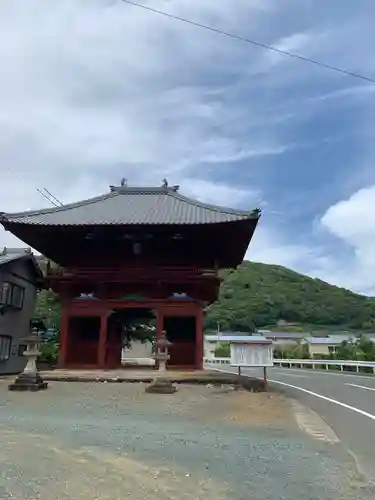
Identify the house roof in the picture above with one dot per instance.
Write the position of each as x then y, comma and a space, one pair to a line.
232, 338
335, 339
238, 339
286, 335
13, 254
255, 339
125, 205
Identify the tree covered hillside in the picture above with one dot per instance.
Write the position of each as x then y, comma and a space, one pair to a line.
258, 295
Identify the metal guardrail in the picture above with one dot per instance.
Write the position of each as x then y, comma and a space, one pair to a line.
302, 363
326, 363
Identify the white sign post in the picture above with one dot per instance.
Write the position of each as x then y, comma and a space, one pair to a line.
252, 353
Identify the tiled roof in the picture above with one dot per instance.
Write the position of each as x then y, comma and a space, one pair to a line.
6, 258
131, 205
236, 338
336, 339
18, 251
286, 335
226, 337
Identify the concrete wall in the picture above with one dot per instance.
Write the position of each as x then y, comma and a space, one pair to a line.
138, 354
321, 349
209, 347
286, 343
16, 323
137, 350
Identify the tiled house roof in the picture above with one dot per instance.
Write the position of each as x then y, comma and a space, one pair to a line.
10, 255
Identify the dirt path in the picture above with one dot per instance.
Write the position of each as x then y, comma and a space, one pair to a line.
112, 441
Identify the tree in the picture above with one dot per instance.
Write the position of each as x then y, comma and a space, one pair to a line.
346, 350
49, 351
365, 349
137, 331
48, 308
298, 351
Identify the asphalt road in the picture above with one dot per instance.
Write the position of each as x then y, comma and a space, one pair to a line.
345, 401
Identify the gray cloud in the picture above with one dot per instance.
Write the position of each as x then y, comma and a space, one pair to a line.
94, 91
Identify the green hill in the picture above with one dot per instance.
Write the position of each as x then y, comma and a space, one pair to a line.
260, 295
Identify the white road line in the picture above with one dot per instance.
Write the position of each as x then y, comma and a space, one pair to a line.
337, 373
330, 400
362, 387
320, 396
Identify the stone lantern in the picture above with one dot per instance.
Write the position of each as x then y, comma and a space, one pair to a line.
30, 379
160, 384
161, 356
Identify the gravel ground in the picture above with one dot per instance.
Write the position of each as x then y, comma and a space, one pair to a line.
87, 441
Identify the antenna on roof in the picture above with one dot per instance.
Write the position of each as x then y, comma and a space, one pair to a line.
124, 182
46, 198
53, 197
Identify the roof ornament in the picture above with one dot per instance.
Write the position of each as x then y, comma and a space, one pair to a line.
118, 189
168, 188
9, 251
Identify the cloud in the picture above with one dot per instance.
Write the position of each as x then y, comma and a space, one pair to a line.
352, 222
92, 91
353, 219
95, 91
270, 247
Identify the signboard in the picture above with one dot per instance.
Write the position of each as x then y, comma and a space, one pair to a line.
251, 354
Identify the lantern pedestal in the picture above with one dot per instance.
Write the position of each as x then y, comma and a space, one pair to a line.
30, 379
161, 386
27, 382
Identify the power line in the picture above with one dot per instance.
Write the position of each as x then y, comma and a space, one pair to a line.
38, 190
249, 40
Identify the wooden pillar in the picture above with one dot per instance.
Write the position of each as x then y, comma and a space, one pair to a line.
102, 349
64, 336
199, 347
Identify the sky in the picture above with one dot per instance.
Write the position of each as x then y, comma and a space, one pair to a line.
93, 91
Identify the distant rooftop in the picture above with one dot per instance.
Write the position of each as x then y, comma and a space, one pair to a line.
336, 339
235, 338
8, 255
286, 335
17, 251
127, 205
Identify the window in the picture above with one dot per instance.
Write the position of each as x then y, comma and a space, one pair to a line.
4, 293
5, 343
11, 295
332, 349
17, 296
